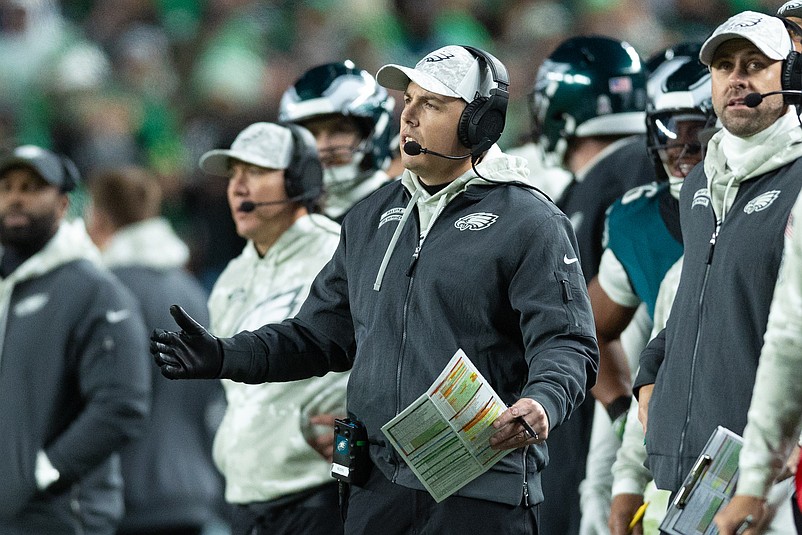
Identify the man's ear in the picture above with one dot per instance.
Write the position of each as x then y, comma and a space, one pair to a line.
63, 204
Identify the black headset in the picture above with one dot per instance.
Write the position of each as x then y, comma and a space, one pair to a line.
792, 75
482, 121
792, 65
303, 178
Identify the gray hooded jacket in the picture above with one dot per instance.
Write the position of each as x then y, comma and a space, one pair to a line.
75, 385
488, 267
734, 213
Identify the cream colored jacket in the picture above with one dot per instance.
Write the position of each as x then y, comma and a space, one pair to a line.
260, 446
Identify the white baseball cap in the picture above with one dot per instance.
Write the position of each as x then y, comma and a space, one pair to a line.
451, 71
791, 9
766, 32
264, 144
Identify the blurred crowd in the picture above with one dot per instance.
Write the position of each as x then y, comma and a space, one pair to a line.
157, 83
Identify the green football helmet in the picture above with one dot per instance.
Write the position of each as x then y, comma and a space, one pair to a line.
345, 89
680, 107
589, 86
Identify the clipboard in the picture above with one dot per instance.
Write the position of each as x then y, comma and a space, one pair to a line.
707, 488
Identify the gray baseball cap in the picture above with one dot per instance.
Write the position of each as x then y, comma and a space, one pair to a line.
267, 145
451, 71
54, 169
766, 32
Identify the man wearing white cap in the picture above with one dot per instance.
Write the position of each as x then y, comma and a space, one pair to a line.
460, 253
266, 444
733, 212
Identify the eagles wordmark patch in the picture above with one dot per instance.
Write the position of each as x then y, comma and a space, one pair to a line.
393, 214
701, 198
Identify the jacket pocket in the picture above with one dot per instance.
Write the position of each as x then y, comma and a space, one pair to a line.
575, 303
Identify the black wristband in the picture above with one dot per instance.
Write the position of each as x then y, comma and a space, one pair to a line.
619, 406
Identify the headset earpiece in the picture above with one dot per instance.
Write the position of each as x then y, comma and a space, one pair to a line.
792, 66
792, 72
792, 76
303, 179
482, 121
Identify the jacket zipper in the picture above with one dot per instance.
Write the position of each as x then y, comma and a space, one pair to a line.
526, 477
567, 298
410, 274
697, 340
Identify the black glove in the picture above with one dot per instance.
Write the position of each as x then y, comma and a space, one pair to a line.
192, 353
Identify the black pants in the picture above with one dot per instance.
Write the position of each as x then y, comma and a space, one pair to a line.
382, 507
568, 452
308, 513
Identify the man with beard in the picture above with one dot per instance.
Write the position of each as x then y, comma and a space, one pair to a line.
75, 384
734, 211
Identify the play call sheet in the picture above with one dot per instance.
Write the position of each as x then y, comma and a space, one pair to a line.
444, 435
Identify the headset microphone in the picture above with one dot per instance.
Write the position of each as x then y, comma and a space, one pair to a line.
250, 206
753, 100
413, 148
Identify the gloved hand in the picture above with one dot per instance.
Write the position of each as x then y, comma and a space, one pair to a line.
192, 353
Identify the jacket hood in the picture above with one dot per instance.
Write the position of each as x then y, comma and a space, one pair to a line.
731, 160
151, 243
291, 242
495, 168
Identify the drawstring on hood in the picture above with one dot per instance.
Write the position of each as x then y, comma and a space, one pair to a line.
496, 166
391, 247
675, 185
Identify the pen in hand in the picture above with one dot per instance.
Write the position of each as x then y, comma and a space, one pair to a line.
527, 428
637, 517
746, 524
